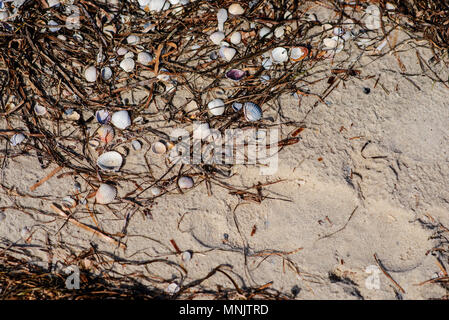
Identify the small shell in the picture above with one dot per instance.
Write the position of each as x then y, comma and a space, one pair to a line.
144, 58
110, 161
109, 30
103, 116
129, 55
105, 194
216, 107
279, 55
222, 16
159, 147
127, 64
186, 256
279, 32
157, 5
252, 111
106, 73
156, 191
39, 110
227, 53
53, 23
185, 182
106, 133
17, 139
90, 74
136, 145
237, 106
298, 53
122, 51
172, 288
133, 39
265, 32
236, 37
267, 63
235, 74
121, 119
68, 203
236, 9
217, 37
163, 76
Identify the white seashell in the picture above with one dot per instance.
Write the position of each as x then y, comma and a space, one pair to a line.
163, 76
90, 74
174, 2
39, 110
237, 106
279, 32
105, 194
217, 37
133, 39
106, 133
103, 116
348, 24
330, 43
127, 64
122, 51
186, 256
222, 16
267, 63
129, 54
110, 161
121, 119
201, 131
156, 191
53, 23
172, 288
227, 53
17, 139
106, 73
136, 145
185, 182
338, 31
144, 58
236, 9
265, 32
236, 37
279, 55
216, 107
53, 3
60, 37
159, 147
298, 53
252, 111
100, 57
68, 203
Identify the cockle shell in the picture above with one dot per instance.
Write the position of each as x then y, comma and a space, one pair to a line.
103, 116
39, 110
127, 64
110, 161
105, 194
236, 37
235, 74
217, 37
216, 107
159, 147
185, 182
144, 58
106, 133
121, 119
298, 53
227, 53
17, 139
252, 111
236, 9
90, 74
279, 55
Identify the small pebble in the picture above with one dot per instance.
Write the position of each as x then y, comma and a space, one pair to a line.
366, 90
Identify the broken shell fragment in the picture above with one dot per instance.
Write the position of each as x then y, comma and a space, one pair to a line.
185, 182
103, 116
217, 37
127, 64
106, 133
252, 111
236, 9
298, 53
216, 107
237, 106
121, 119
90, 74
17, 139
235, 74
110, 161
105, 194
159, 147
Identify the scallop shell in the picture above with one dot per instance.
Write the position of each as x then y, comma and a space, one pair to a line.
159, 147
106, 133
252, 111
103, 116
217, 37
121, 119
236, 37
90, 74
39, 110
216, 107
17, 139
235, 74
185, 182
110, 161
279, 55
236, 9
127, 64
298, 53
105, 194
227, 53
144, 58
106, 73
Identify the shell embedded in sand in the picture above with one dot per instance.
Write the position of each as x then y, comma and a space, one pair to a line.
122, 51
236, 9
90, 74
159, 147
252, 111
121, 119
237, 106
236, 37
127, 64
144, 58
298, 53
106, 133
216, 107
279, 32
279, 55
17, 139
105, 194
186, 256
217, 37
265, 32
185, 182
110, 161
156, 5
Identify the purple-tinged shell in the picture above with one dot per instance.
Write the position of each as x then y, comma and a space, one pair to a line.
103, 116
252, 111
235, 74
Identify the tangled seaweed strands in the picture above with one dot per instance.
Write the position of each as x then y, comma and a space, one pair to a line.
39, 66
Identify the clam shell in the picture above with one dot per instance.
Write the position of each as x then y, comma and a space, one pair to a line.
103, 116
236, 37
106, 133
144, 58
216, 107
236, 9
122, 51
39, 110
185, 182
106, 73
121, 119
252, 111
17, 139
105, 194
298, 53
159, 147
127, 64
110, 161
227, 53
90, 74
279, 55
217, 37
235, 74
